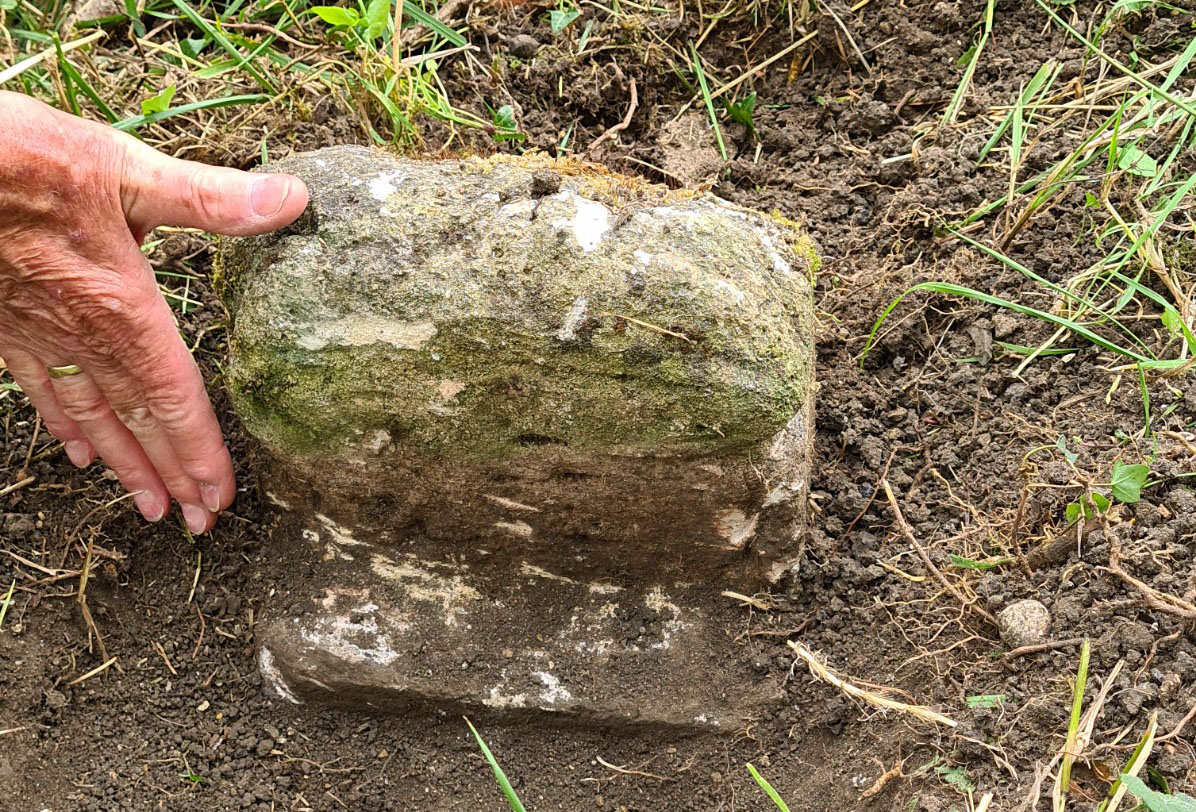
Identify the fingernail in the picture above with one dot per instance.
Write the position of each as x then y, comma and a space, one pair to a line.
79, 452
211, 497
196, 518
149, 506
269, 193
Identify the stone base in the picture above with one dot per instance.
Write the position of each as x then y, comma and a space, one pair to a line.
379, 630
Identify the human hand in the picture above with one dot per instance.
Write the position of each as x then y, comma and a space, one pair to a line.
76, 293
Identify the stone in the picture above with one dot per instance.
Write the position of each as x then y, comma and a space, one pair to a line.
86, 10
1024, 623
526, 419
17, 526
523, 46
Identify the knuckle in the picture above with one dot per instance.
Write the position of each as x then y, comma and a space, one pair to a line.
207, 196
61, 429
85, 407
172, 408
180, 486
137, 419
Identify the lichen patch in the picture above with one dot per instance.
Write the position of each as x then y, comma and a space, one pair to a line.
385, 184
590, 221
363, 330
274, 678
451, 593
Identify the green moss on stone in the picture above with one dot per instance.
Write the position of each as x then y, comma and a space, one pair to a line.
459, 317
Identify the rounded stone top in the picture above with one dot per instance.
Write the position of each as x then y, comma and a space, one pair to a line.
1024, 623
490, 307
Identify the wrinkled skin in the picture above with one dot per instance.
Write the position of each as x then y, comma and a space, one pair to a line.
76, 201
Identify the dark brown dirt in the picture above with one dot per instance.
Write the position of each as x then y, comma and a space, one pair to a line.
951, 429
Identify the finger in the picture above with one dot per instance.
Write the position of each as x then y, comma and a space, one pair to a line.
129, 405
172, 410
84, 404
34, 381
160, 190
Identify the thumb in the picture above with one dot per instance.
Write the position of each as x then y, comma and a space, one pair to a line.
159, 190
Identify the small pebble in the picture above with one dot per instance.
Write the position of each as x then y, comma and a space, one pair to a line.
1024, 623
523, 46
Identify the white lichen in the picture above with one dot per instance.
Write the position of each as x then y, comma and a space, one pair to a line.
553, 690
736, 527
573, 319
353, 636
363, 330
589, 223
414, 577
386, 184
274, 678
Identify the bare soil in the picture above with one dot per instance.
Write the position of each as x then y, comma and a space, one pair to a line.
850, 151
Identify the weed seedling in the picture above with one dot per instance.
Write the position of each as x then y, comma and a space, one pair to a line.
561, 17
743, 112
507, 790
1155, 801
5, 603
773, 795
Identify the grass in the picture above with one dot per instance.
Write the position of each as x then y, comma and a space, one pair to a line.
972, 59
707, 100
1123, 141
513, 801
232, 69
503, 783
6, 602
1070, 752
772, 794
1133, 766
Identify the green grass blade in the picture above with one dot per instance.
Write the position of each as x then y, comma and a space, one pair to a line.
952, 111
767, 787
1182, 144
1134, 765
1144, 393
410, 9
129, 124
697, 68
4, 604
1062, 291
134, 17
75, 79
1050, 68
1073, 728
68, 85
1021, 349
1137, 287
223, 41
1153, 89
499, 775
399, 123
980, 296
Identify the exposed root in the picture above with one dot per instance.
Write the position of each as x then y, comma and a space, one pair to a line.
908, 533
819, 670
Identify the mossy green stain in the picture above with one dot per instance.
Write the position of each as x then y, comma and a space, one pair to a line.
728, 380
624, 399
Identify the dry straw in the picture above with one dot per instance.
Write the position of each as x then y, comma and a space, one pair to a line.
819, 670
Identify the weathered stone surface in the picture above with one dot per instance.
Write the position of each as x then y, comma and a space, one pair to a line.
393, 632
488, 390
1024, 623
